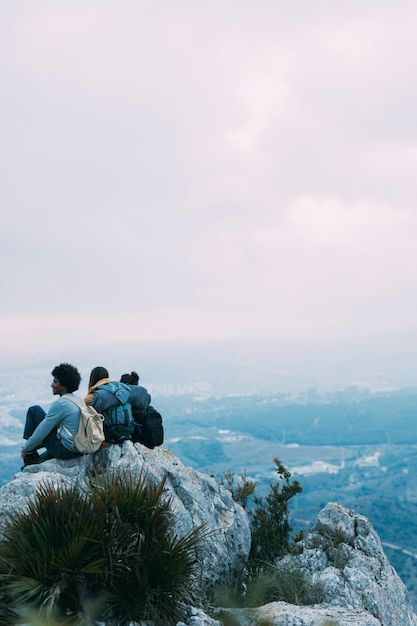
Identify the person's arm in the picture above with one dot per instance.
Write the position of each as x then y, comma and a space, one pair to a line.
89, 397
51, 419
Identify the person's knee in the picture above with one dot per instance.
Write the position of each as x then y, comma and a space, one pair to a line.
35, 410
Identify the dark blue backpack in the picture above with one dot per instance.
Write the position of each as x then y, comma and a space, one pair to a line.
151, 431
119, 424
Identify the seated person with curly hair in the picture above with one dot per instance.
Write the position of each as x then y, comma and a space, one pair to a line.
54, 430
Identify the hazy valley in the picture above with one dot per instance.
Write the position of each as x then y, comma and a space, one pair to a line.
352, 446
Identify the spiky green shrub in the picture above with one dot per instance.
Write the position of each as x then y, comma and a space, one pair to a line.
112, 545
150, 570
51, 551
32, 617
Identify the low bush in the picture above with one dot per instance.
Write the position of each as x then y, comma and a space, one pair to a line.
286, 583
108, 552
269, 583
269, 516
270, 527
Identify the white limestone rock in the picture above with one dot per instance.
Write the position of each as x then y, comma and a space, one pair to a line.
196, 499
193, 617
15, 494
197, 617
282, 614
345, 556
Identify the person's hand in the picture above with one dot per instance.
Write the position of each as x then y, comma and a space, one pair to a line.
23, 454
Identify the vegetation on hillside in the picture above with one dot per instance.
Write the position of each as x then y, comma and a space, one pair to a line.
268, 516
109, 552
266, 579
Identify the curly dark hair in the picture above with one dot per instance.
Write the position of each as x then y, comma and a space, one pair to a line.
68, 376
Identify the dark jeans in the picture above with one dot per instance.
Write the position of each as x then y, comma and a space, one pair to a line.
52, 443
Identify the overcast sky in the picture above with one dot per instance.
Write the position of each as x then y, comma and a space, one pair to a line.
207, 169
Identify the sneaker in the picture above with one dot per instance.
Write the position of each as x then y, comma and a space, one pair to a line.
32, 458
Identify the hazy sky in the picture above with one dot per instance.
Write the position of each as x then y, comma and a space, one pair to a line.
207, 169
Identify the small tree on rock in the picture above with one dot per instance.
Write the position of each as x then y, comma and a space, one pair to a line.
270, 519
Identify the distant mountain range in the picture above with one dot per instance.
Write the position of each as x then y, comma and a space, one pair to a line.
379, 362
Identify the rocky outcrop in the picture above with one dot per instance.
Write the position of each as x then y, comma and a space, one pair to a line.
344, 555
196, 499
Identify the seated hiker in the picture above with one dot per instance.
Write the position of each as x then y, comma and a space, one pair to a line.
148, 422
54, 430
115, 401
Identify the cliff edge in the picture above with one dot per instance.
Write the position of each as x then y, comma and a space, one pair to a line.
342, 553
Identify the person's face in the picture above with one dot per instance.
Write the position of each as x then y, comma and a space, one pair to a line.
57, 388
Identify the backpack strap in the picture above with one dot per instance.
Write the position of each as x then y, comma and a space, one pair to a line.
116, 393
73, 402
61, 426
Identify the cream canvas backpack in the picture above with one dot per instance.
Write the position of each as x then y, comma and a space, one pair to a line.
90, 435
